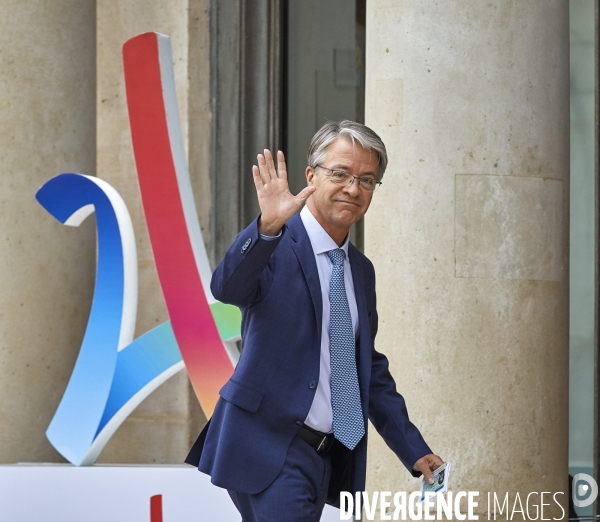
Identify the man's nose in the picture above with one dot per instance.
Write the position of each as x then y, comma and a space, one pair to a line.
353, 188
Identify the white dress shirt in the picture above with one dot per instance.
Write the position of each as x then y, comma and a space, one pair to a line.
320, 416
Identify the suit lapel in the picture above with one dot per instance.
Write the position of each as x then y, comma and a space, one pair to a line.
306, 257
364, 330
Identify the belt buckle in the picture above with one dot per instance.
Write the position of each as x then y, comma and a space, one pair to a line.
322, 445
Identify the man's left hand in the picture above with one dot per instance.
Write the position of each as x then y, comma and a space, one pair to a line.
427, 465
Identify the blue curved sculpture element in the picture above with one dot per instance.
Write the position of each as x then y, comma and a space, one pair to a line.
70, 198
141, 367
113, 373
138, 365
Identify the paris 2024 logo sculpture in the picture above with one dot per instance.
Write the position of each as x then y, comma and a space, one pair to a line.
114, 372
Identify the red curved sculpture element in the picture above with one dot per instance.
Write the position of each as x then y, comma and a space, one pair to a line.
170, 213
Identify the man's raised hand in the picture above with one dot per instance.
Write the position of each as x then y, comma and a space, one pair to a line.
277, 203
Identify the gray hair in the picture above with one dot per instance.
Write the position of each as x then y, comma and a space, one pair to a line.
351, 131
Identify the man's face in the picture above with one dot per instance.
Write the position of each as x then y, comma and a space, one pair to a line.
337, 206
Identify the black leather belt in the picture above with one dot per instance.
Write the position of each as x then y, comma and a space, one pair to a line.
320, 441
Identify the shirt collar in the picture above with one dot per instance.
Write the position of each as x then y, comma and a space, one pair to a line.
320, 240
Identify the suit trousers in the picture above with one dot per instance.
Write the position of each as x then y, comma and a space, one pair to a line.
297, 494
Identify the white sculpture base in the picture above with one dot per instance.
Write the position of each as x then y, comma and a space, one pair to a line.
113, 493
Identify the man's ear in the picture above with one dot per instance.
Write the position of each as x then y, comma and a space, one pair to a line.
310, 175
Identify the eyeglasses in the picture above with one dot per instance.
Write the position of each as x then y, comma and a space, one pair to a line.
340, 177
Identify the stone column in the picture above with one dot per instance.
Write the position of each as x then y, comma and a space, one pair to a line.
470, 234
47, 126
161, 429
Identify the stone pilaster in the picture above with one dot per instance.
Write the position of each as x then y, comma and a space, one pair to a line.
47, 126
470, 234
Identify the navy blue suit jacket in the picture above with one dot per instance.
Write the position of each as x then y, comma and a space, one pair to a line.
261, 408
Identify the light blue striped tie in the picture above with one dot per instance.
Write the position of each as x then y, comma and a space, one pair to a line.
348, 421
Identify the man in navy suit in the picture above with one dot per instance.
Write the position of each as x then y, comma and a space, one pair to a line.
289, 432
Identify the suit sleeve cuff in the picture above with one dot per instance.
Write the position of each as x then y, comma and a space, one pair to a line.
271, 238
